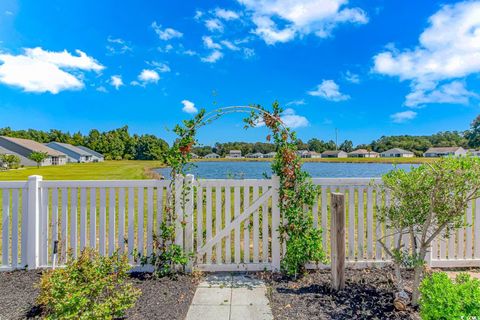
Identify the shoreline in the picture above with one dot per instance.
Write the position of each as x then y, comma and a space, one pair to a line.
330, 160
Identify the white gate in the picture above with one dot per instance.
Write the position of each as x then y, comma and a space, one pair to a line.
237, 225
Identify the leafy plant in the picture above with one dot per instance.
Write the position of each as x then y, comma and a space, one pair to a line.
89, 287
11, 161
297, 193
38, 157
443, 298
426, 202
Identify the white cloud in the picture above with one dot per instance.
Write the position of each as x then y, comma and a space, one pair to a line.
453, 92
198, 15
229, 45
292, 120
329, 90
102, 89
214, 25
190, 53
248, 53
38, 70
209, 43
299, 17
9, 13
189, 107
167, 33
213, 57
449, 49
118, 46
116, 81
296, 102
352, 77
226, 14
404, 116
148, 76
160, 66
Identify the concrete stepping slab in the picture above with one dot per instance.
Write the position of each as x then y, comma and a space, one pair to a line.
226, 296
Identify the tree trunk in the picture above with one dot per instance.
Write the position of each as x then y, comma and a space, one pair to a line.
417, 278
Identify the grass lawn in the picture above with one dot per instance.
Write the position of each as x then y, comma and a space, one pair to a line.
108, 170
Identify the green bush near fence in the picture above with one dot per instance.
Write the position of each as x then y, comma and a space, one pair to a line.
443, 298
90, 287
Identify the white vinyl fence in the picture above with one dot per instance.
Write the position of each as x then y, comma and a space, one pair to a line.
229, 225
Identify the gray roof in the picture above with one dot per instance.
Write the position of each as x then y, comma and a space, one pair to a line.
442, 149
5, 151
92, 152
332, 152
74, 149
363, 151
398, 150
35, 146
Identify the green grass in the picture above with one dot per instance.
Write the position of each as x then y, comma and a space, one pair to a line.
108, 170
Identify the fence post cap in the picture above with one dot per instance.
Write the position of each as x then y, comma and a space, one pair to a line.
35, 177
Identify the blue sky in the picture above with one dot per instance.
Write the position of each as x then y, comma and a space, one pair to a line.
368, 68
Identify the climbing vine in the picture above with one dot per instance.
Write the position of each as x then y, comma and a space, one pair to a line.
297, 192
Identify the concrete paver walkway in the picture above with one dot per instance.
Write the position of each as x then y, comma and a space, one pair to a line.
230, 297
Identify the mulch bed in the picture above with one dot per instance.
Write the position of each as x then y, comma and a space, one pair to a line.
164, 298
368, 294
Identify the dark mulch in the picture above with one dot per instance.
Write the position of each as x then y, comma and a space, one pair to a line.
18, 293
166, 298
368, 294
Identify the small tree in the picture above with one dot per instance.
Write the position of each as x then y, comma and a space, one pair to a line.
38, 157
12, 161
427, 202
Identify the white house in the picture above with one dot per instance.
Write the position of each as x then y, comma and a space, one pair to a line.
212, 156
334, 154
74, 154
25, 147
256, 155
96, 157
445, 151
234, 154
363, 153
397, 153
270, 155
314, 155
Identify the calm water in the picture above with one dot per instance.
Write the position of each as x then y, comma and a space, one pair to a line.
257, 170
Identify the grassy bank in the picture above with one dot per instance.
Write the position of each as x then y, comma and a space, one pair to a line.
333, 160
108, 170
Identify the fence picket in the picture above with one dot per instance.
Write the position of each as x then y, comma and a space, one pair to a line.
236, 212
131, 223
324, 217
93, 218
149, 221
351, 223
255, 228
64, 235
15, 214
121, 220
103, 222
83, 218
265, 233
111, 221
228, 220
369, 223
5, 225
246, 225
208, 223
469, 237
361, 224
140, 220
477, 229
73, 222
218, 222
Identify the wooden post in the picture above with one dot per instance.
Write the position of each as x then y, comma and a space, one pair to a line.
338, 240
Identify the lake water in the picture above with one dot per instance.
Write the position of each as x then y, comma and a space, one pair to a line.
257, 170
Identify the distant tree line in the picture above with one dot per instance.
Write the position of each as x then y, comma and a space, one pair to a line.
416, 144
119, 144
115, 144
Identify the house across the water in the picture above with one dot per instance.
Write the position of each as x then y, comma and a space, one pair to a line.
397, 153
234, 154
256, 155
445, 151
212, 156
363, 153
74, 154
334, 154
270, 155
24, 148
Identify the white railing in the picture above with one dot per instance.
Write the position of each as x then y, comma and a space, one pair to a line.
229, 224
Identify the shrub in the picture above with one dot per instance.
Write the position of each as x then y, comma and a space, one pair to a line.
442, 298
90, 287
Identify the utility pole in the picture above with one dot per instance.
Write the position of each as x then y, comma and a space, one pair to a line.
336, 138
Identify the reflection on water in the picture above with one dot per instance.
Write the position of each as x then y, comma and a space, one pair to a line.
259, 170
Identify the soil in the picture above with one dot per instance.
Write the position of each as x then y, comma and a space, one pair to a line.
368, 294
166, 298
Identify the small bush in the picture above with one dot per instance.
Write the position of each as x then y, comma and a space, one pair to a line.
442, 298
90, 287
